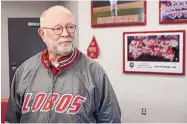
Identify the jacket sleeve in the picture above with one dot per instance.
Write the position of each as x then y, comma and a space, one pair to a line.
13, 113
109, 109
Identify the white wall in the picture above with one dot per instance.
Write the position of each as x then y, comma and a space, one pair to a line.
164, 97
11, 9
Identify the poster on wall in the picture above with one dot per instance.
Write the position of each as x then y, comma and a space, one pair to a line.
93, 49
172, 12
111, 13
154, 52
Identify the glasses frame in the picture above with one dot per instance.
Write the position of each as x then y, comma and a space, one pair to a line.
62, 29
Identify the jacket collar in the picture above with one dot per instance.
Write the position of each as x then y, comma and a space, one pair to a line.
63, 62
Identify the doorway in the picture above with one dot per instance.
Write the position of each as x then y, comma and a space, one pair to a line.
24, 41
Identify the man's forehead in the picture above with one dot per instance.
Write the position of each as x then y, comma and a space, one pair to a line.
53, 19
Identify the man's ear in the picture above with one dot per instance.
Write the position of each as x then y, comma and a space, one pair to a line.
41, 33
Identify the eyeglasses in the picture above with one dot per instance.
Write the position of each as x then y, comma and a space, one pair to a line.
70, 28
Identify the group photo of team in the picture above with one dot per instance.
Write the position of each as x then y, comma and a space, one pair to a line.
174, 10
155, 48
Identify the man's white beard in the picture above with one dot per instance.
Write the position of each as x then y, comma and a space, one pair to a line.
59, 49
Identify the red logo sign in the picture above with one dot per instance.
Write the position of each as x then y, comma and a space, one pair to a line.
60, 103
93, 50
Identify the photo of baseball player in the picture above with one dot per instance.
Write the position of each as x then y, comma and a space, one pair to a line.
118, 11
155, 48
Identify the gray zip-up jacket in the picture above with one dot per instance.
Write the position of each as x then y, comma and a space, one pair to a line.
81, 93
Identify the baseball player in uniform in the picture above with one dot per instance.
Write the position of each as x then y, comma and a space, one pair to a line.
61, 84
113, 7
175, 47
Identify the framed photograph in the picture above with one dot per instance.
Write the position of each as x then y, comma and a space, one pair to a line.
154, 52
112, 13
172, 12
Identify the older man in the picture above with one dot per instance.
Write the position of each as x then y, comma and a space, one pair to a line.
60, 84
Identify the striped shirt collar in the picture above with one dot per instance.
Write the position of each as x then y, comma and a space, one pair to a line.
62, 63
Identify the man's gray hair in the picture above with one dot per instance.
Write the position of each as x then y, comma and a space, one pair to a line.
59, 7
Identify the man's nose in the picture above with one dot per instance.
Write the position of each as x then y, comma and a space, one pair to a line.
64, 33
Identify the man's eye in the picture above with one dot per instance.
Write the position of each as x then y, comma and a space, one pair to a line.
57, 28
70, 26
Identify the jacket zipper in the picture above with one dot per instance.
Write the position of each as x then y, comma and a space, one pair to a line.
54, 80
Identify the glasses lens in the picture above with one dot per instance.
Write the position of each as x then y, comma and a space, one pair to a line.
57, 30
70, 28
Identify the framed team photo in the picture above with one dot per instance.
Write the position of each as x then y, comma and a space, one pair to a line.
112, 13
154, 52
172, 11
